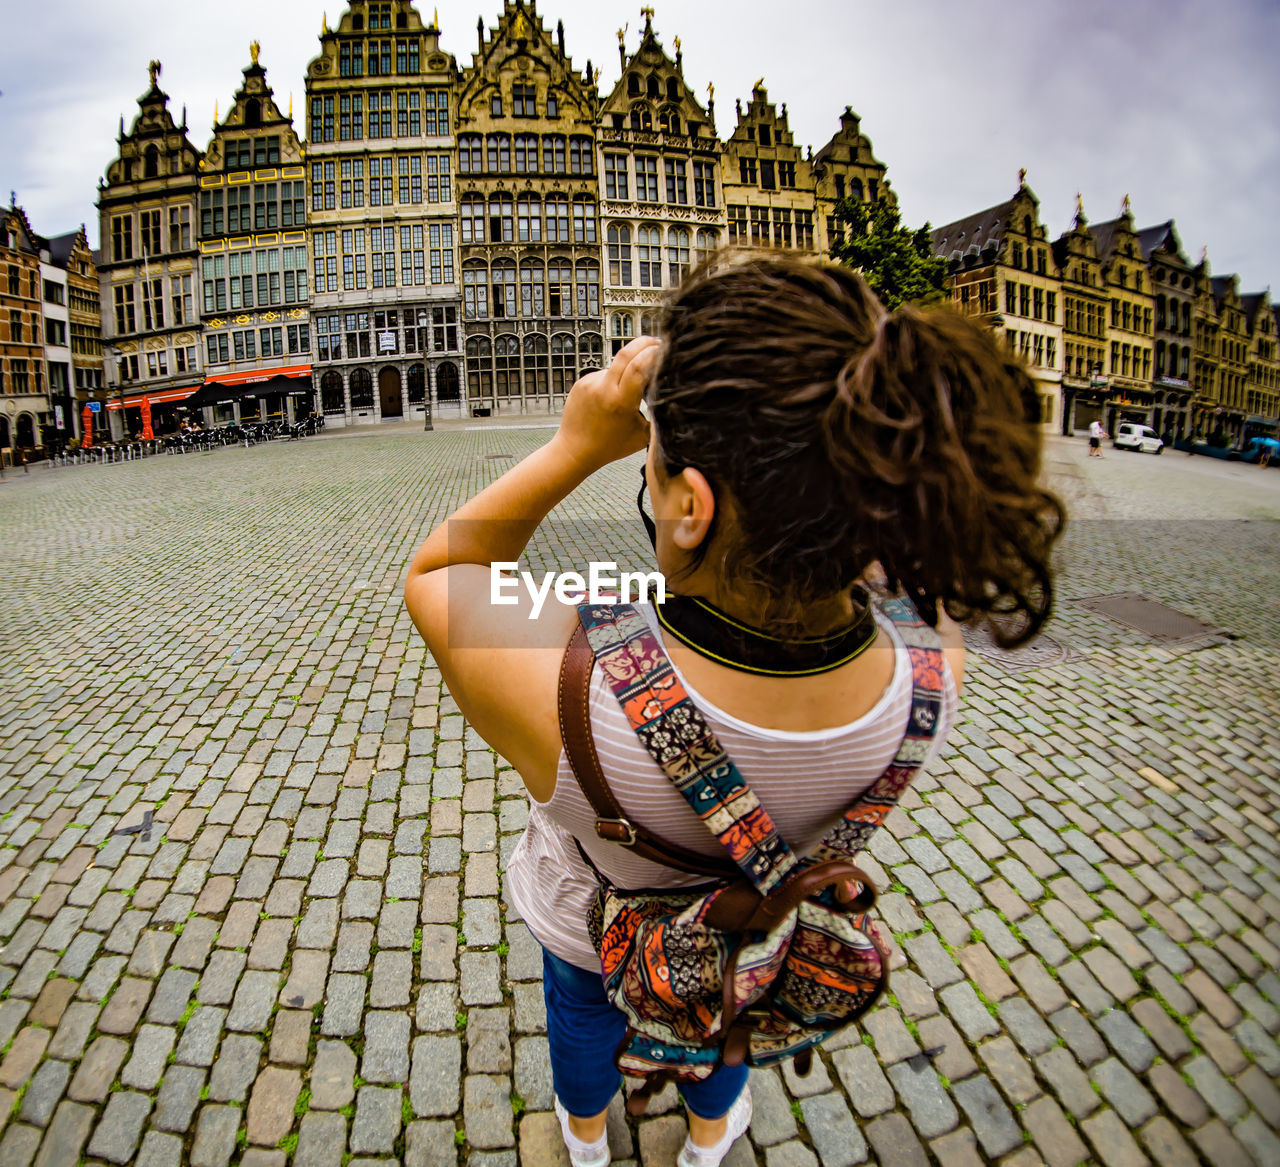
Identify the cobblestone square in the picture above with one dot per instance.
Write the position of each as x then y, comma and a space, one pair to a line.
251, 855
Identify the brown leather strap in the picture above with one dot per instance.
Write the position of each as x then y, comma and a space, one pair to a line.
612, 823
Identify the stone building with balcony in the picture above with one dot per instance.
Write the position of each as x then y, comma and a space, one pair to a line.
529, 217
24, 397
1002, 270
845, 168
1261, 391
1085, 310
147, 206
661, 205
768, 181
1130, 321
1173, 285
252, 234
382, 217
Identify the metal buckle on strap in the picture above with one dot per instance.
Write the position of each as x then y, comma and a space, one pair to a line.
616, 831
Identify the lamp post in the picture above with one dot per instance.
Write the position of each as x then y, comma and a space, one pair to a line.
423, 321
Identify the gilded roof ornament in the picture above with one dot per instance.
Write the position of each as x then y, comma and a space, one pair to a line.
676, 42
324, 24
1022, 177
711, 91
153, 68
254, 48
1126, 205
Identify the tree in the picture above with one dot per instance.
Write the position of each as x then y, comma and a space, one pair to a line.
897, 262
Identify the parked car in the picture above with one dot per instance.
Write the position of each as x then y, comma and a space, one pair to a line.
1131, 436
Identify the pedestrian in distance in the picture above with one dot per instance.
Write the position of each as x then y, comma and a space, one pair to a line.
1096, 434
833, 487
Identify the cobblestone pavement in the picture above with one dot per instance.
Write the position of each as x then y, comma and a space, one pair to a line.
250, 854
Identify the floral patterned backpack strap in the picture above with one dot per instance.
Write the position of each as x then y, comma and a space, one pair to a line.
852, 833
677, 737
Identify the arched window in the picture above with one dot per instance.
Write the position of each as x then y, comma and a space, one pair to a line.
535, 364
151, 163
1159, 358
581, 155
504, 289
529, 219
648, 324
506, 366
253, 113
502, 228
649, 256
622, 328
447, 382
677, 254
470, 154
653, 88
1160, 310
587, 280
417, 383
673, 89
590, 351
361, 389
532, 289
563, 363
557, 218
1026, 229
855, 189
526, 153
553, 154
584, 219
499, 151
619, 255
669, 121
332, 398
641, 118
479, 367
472, 218
559, 288
633, 84
475, 290
708, 241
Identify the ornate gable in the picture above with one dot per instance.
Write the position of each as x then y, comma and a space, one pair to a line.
652, 94
155, 147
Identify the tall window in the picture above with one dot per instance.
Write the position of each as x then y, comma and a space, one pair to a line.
615, 177
408, 114
435, 113
475, 290
563, 363
646, 179
559, 288
557, 219
179, 228
760, 226
781, 227
121, 238
524, 101
587, 287
580, 156
501, 219
649, 255
619, 255
708, 241
470, 154
124, 310
584, 220
677, 187
479, 367
767, 180
737, 224
526, 153
677, 254
622, 329
532, 289
412, 267
553, 154
499, 151
704, 184
151, 241
472, 219
504, 290
506, 363
804, 229
410, 185
529, 219
380, 114
535, 364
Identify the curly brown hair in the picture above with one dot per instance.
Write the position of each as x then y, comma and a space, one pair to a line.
846, 436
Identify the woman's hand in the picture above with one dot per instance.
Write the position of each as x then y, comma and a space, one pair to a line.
602, 421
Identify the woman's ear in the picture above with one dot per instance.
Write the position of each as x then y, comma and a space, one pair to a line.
697, 509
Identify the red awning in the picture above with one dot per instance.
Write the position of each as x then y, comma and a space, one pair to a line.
254, 376
134, 400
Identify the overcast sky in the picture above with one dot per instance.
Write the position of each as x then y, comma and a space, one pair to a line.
1175, 102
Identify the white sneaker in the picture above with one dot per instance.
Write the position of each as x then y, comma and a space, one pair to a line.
582, 1154
739, 1118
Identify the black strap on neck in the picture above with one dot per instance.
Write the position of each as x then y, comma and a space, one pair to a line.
718, 636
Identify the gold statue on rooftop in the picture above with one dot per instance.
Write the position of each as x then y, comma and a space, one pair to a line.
254, 48
153, 68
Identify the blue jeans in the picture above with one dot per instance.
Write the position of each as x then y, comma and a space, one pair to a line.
584, 1031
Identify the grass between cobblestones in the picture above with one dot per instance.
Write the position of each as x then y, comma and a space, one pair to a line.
308, 958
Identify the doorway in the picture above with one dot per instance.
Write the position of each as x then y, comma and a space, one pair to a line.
389, 392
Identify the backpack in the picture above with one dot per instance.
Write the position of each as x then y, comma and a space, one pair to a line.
763, 963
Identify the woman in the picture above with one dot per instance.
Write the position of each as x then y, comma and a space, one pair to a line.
803, 442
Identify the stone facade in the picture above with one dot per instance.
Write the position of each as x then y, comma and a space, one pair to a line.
381, 100
661, 209
530, 230
1084, 327
1229, 412
253, 261
1004, 271
24, 399
1173, 283
845, 168
147, 275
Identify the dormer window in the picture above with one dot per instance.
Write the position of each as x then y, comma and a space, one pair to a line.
765, 137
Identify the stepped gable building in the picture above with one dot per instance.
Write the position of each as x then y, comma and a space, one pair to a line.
253, 261
1229, 413
147, 209
661, 208
1085, 309
1173, 284
1003, 270
1205, 358
72, 254
382, 216
846, 168
768, 182
530, 232
1260, 387
56, 335
24, 400
1131, 320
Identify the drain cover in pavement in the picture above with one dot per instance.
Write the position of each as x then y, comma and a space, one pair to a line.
1040, 653
1150, 617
